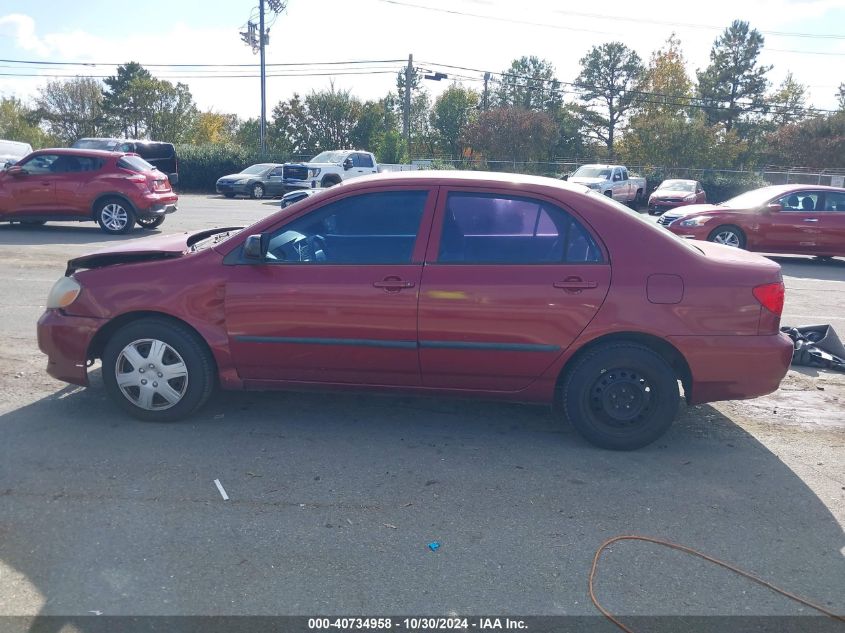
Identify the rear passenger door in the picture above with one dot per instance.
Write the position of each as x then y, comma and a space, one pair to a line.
832, 220
509, 283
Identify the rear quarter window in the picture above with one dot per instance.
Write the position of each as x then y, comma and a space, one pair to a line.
134, 163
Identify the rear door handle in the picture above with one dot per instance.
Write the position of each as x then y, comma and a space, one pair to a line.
576, 284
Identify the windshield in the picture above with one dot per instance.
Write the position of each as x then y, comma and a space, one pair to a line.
592, 172
328, 157
749, 199
257, 169
96, 143
677, 185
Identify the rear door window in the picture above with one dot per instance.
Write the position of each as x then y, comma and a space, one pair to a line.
496, 229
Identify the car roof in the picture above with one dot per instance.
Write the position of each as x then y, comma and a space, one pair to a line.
72, 151
474, 178
776, 189
122, 140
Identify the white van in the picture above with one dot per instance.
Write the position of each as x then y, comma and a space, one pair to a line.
12, 151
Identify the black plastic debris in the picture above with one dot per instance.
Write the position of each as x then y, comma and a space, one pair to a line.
816, 346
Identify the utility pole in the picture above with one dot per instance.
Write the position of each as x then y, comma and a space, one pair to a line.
409, 70
257, 36
484, 101
262, 130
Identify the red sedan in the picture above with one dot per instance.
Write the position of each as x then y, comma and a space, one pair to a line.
675, 193
797, 219
464, 284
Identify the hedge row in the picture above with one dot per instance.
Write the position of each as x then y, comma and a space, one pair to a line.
201, 165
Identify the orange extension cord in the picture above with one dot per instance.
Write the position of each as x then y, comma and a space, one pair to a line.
691, 552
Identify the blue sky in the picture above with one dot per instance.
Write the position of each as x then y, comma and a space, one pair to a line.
191, 31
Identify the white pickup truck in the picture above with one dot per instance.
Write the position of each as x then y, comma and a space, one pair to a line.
612, 181
329, 168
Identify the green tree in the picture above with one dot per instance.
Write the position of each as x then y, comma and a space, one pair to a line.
171, 110
734, 83
289, 131
332, 116
607, 81
788, 104
376, 119
20, 123
127, 99
73, 108
840, 95
529, 83
513, 134
453, 111
247, 133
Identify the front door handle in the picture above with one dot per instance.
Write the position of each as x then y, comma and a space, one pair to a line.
393, 284
575, 284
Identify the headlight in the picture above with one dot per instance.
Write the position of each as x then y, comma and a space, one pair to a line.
63, 293
242, 181
594, 185
693, 221
315, 172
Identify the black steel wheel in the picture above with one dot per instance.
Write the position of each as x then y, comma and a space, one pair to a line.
620, 396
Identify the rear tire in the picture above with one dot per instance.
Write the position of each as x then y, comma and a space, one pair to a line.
729, 235
146, 392
150, 223
620, 396
115, 216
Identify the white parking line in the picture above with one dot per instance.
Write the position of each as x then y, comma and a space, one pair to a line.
220, 488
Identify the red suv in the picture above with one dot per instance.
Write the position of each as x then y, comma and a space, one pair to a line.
116, 189
469, 284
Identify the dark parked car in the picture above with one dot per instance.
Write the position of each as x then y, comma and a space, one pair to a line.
115, 189
257, 181
158, 154
675, 193
799, 219
468, 284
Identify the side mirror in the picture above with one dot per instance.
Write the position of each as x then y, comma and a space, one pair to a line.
565, 177
347, 164
774, 206
16, 170
256, 246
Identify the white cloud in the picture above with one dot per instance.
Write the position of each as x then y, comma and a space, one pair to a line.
22, 28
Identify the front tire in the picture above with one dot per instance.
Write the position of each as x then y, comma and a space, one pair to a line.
257, 191
158, 370
150, 223
621, 396
330, 181
115, 216
728, 235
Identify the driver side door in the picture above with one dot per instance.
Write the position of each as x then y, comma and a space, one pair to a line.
335, 300
34, 188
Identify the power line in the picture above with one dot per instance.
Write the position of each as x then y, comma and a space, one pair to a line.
603, 17
255, 65
325, 74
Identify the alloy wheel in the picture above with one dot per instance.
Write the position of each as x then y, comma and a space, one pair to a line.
114, 216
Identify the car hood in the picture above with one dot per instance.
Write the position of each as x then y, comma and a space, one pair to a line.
238, 177
143, 249
583, 180
314, 164
667, 193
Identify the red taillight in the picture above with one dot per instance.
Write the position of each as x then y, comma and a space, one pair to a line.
771, 297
